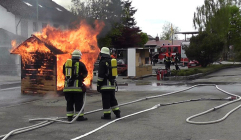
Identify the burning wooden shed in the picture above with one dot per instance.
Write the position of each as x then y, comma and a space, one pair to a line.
44, 54
38, 66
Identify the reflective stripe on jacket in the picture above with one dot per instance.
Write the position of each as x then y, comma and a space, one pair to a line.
108, 86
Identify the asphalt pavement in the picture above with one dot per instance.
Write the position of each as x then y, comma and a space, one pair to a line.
162, 123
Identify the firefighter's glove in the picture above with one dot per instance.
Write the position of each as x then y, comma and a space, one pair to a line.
98, 88
83, 87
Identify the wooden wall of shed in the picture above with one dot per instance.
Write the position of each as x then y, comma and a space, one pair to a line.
39, 77
143, 70
142, 67
141, 56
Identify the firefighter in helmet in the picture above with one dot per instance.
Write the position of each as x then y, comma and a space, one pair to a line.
106, 84
168, 60
74, 89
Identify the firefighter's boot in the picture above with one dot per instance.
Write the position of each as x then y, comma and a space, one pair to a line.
106, 116
70, 118
117, 113
81, 118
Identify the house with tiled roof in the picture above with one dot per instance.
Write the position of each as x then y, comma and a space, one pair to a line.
19, 19
24, 17
158, 43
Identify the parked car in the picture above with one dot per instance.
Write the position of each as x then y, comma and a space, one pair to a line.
193, 63
121, 67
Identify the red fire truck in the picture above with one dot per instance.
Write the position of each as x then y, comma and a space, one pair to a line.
173, 49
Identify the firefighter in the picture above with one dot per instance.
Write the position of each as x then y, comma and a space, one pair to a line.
74, 89
168, 61
106, 84
113, 55
177, 60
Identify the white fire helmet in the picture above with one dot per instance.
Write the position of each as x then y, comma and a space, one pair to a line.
105, 50
76, 54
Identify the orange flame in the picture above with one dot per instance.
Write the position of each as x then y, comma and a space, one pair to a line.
84, 38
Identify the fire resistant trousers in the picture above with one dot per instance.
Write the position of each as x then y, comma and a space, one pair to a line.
74, 99
108, 99
168, 64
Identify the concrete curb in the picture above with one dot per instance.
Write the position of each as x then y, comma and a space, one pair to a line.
9, 85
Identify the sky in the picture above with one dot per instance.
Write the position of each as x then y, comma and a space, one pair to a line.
151, 15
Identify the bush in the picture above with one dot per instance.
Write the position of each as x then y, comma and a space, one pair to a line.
181, 73
174, 72
193, 71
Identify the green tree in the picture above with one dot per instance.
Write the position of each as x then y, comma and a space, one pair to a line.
120, 29
210, 10
205, 48
130, 34
219, 17
144, 39
81, 9
128, 14
114, 33
168, 31
109, 11
234, 33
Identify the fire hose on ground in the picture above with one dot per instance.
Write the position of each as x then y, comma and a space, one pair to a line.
47, 121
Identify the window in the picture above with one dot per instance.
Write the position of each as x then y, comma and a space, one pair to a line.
175, 49
56, 25
44, 25
58, 9
35, 26
163, 50
27, 3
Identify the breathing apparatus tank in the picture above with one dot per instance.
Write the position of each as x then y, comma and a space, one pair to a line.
68, 72
68, 68
114, 67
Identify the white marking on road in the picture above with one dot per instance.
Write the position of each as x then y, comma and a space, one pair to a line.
9, 88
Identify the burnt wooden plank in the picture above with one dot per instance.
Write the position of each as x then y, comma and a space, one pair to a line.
43, 82
41, 88
39, 76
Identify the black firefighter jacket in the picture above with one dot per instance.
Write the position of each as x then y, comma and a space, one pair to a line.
105, 78
82, 71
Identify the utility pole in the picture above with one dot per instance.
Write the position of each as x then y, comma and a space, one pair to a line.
37, 10
172, 33
17, 25
172, 38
